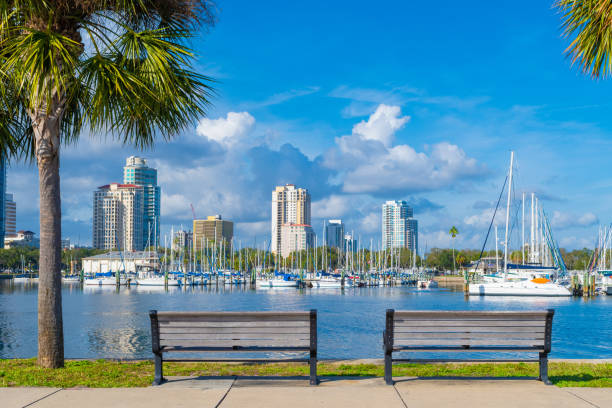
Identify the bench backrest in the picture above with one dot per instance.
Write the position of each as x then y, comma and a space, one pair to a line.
237, 330
463, 329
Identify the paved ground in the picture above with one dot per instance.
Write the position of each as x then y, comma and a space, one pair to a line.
296, 393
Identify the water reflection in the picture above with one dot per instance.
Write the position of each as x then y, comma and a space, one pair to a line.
103, 321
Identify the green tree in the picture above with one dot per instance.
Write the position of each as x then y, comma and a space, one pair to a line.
588, 23
453, 233
116, 66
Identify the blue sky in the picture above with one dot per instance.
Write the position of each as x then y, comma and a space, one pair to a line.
363, 102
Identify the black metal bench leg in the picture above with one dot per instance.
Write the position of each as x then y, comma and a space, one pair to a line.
544, 369
313, 370
159, 375
388, 368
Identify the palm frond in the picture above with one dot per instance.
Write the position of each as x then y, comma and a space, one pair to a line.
588, 23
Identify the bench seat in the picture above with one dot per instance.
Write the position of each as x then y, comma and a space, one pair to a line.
468, 331
234, 332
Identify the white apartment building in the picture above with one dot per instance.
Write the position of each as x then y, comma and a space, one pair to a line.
296, 237
118, 217
399, 228
290, 205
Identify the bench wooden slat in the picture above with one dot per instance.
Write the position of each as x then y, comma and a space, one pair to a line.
217, 349
231, 343
467, 335
478, 329
221, 323
457, 349
429, 314
236, 329
473, 323
471, 342
232, 317
236, 336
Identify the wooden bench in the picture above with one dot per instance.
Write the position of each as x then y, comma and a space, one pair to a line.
467, 331
222, 332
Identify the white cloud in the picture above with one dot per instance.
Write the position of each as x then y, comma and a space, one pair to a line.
381, 125
569, 220
370, 163
371, 223
229, 130
334, 206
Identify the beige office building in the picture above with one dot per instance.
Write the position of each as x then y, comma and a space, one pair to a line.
296, 237
212, 229
117, 217
290, 205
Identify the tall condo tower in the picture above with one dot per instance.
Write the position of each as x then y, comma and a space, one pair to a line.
399, 228
117, 217
334, 234
2, 194
10, 216
138, 173
290, 205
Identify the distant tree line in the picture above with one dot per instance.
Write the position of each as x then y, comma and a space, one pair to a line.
11, 258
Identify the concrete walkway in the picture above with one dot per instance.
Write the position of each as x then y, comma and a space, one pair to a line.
332, 392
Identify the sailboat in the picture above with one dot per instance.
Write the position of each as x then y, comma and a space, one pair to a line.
536, 286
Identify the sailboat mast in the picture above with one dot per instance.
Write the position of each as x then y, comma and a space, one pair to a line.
506, 244
532, 246
523, 231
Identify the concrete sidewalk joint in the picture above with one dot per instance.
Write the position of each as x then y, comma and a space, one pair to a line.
226, 392
42, 398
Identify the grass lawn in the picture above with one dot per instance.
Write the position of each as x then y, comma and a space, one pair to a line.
106, 373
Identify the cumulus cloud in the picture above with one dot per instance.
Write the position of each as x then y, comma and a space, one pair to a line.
371, 164
569, 220
381, 125
332, 207
483, 219
229, 130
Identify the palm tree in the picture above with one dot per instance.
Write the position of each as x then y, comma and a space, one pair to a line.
116, 66
453, 233
589, 24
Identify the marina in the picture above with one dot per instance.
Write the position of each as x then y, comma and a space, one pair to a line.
111, 322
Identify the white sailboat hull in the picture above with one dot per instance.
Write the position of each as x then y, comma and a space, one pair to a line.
327, 283
276, 283
524, 288
104, 281
157, 281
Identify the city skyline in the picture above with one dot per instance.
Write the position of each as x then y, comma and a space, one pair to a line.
447, 133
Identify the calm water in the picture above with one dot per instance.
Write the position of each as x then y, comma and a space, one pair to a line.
101, 322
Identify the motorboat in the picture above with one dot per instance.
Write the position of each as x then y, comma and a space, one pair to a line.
71, 279
427, 284
528, 287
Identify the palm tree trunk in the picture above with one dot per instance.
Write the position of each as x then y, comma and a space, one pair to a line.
50, 325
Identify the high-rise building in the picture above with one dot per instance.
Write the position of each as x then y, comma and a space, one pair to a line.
2, 194
10, 216
334, 234
290, 205
213, 229
117, 217
137, 172
182, 240
399, 228
350, 243
296, 237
